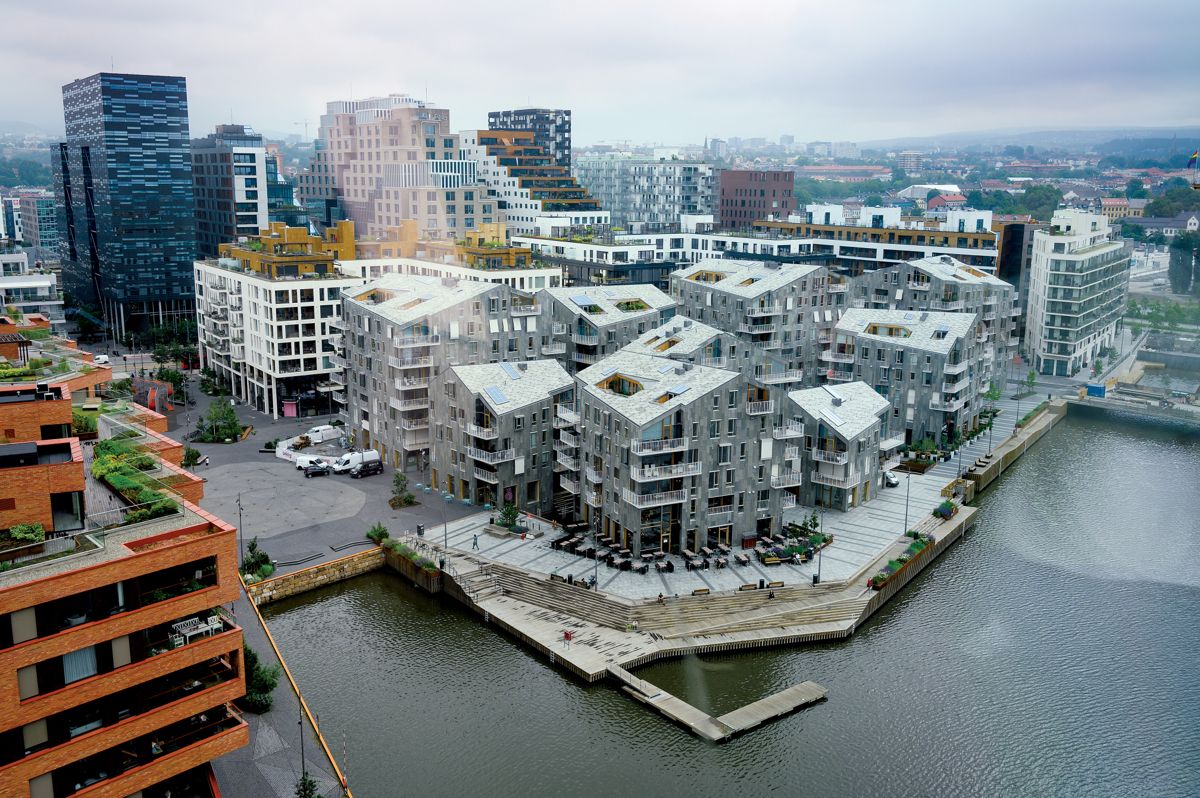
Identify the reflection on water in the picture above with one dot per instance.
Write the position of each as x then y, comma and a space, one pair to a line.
1051, 652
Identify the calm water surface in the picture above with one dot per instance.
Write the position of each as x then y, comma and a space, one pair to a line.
1054, 651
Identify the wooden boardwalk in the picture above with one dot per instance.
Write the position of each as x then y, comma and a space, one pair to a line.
773, 706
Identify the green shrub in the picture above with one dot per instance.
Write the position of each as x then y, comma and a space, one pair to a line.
265, 570
257, 703
255, 558
190, 456
378, 533
27, 533
945, 510
260, 682
82, 423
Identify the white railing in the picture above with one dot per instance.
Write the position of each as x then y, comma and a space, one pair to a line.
642, 500
891, 443
955, 387
337, 377
569, 438
712, 362
775, 377
568, 484
487, 476
409, 363
839, 376
791, 452
760, 408
764, 310
417, 340
410, 383
567, 461
831, 356
658, 445
487, 433
917, 286
492, 458
954, 304
955, 368
718, 517
593, 475
557, 348
586, 357
593, 498
587, 339
566, 414
787, 501
414, 423
757, 329
526, 310
947, 407
848, 481
647, 473
837, 288
787, 479
790, 429
828, 456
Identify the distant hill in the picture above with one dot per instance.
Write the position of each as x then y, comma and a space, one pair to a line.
1072, 139
16, 128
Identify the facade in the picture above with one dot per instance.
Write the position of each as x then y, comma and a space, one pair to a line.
551, 129
501, 441
39, 222
10, 219
229, 172
385, 159
27, 290
747, 195
944, 285
845, 427
402, 334
1077, 286
929, 367
647, 190
118, 664
585, 325
123, 184
1016, 258
597, 255
525, 182
268, 316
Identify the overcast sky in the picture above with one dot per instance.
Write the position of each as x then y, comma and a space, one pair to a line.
668, 71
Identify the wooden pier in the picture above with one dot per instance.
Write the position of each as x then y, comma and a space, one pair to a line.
718, 730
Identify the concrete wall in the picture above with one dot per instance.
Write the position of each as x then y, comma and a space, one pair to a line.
326, 573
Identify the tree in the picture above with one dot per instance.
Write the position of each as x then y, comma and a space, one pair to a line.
1031, 380
1133, 232
1135, 189
306, 787
874, 201
220, 422
1181, 267
401, 497
508, 515
993, 393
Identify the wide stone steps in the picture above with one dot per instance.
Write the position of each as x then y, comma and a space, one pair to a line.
782, 616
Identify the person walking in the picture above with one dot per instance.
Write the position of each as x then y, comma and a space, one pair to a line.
475, 542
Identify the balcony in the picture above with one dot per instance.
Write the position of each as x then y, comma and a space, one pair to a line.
643, 500
894, 442
336, 323
846, 482
566, 461
829, 455
556, 348
420, 403
491, 458
593, 498
585, 357
758, 329
586, 339
337, 378
787, 501
778, 377
593, 475
791, 429
834, 356
650, 473
712, 362
417, 340
764, 310
479, 431
954, 368
760, 408
414, 423
658, 446
719, 517
792, 452
416, 442
410, 363
569, 439
952, 406
915, 285
569, 485
566, 414
787, 479
948, 305
484, 475
837, 288
834, 375
955, 387
526, 309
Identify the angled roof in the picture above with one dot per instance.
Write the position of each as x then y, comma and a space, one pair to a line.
948, 268
657, 376
859, 408
746, 278
404, 298
509, 386
927, 331
688, 336
607, 300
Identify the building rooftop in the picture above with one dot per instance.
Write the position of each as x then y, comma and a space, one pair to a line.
745, 278
659, 386
948, 268
605, 305
508, 386
404, 298
678, 336
915, 329
849, 409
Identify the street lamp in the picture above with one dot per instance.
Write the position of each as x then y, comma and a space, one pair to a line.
241, 548
907, 494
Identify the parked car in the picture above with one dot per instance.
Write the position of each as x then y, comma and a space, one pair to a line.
303, 461
366, 469
351, 459
100, 360
323, 432
316, 470
890, 479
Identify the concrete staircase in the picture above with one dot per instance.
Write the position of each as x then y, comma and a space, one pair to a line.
784, 614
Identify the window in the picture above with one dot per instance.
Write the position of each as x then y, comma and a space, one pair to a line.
725, 454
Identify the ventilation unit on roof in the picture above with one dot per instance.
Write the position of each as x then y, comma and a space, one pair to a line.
924, 316
837, 400
687, 323
681, 370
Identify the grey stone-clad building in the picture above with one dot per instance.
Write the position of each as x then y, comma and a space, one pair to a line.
497, 441
586, 324
401, 335
944, 284
929, 367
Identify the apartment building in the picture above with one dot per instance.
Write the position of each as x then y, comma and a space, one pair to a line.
929, 367
39, 222
118, 664
598, 255
1077, 285
229, 173
402, 334
945, 285
585, 325
28, 290
524, 181
385, 159
551, 128
647, 190
744, 196
689, 341
784, 310
267, 318
672, 457
499, 442
844, 428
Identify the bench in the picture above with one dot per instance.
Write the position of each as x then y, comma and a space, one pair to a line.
774, 584
770, 559
744, 588
700, 591
741, 559
557, 578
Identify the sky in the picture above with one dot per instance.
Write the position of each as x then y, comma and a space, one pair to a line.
652, 71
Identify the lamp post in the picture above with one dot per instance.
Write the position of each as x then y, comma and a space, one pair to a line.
241, 548
907, 494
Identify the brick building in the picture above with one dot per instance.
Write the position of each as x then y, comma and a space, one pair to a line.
747, 195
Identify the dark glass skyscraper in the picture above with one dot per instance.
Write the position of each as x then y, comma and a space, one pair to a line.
551, 129
123, 178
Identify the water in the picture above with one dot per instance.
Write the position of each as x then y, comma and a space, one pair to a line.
1054, 651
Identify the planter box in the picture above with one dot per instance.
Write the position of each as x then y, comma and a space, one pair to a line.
430, 581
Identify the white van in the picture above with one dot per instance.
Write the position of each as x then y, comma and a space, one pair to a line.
303, 461
100, 360
324, 432
351, 459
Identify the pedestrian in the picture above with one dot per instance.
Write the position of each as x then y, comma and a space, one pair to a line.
660, 599
475, 542
771, 595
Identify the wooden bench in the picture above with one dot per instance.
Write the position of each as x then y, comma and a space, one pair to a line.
741, 559
774, 584
744, 588
770, 559
700, 591
557, 578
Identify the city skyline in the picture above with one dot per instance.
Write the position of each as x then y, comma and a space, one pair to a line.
804, 74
